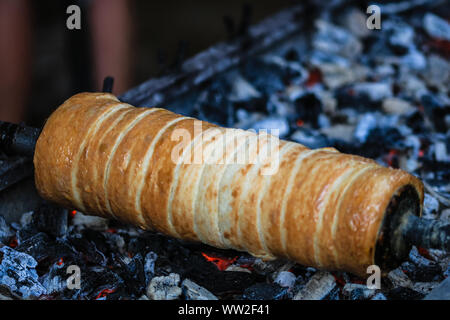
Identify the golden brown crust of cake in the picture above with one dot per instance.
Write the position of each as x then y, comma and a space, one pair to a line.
320, 207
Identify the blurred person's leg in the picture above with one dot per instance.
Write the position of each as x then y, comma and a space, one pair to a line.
111, 36
14, 59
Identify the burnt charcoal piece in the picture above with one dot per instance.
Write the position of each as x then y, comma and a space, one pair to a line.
88, 250
379, 142
292, 55
416, 122
5, 231
38, 246
213, 104
51, 219
346, 97
17, 271
100, 283
309, 108
403, 293
436, 112
357, 294
264, 291
133, 275
266, 78
149, 266
207, 275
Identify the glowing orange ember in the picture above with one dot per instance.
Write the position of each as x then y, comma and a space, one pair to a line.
391, 157
315, 76
73, 213
104, 292
221, 263
13, 242
60, 262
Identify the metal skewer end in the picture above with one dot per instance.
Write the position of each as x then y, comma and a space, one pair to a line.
108, 84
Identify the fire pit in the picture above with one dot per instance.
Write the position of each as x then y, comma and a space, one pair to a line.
323, 79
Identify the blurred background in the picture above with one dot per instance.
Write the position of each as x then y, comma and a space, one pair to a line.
43, 63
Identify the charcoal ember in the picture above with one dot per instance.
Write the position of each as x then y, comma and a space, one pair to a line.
309, 107
310, 138
263, 267
276, 126
426, 270
5, 231
416, 122
213, 105
366, 124
193, 291
413, 60
165, 287
89, 249
26, 218
436, 111
357, 291
440, 292
55, 280
404, 293
41, 247
445, 215
116, 241
207, 275
243, 95
379, 296
234, 267
285, 279
97, 238
437, 74
425, 287
291, 54
398, 278
374, 91
430, 206
133, 274
149, 266
281, 106
6, 294
51, 219
264, 291
355, 21
335, 40
436, 26
397, 106
265, 77
347, 98
381, 141
18, 273
339, 134
440, 152
99, 283
338, 74
322, 286
82, 221
291, 70
401, 36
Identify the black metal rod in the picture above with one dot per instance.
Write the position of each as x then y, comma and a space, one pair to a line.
108, 84
426, 233
18, 139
